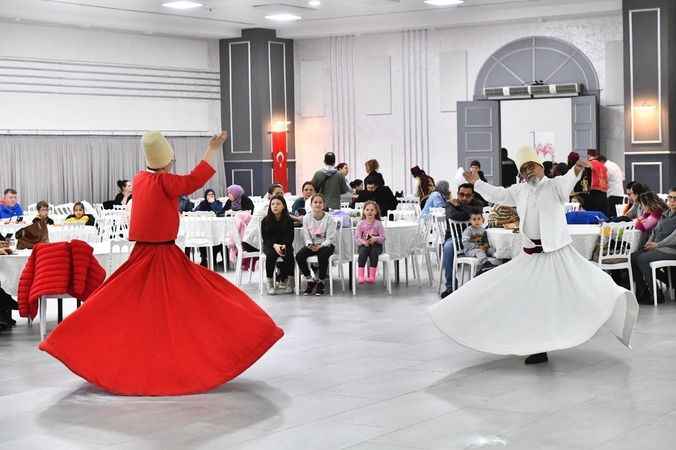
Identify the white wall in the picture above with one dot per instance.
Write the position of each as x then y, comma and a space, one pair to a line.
549, 118
68, 80
420, 111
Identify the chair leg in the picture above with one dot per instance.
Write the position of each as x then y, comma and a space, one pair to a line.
42, 306
389, 279
655, 286
330, 281
260, 278
669, 286
631, 281
354, 279
238, 269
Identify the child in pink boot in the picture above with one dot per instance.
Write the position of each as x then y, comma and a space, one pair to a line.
370, 236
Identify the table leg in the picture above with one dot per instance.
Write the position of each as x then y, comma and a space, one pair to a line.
396, 272
351, 269
60, 314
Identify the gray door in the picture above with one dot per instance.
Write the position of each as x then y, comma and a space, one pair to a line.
479, 136
585, 124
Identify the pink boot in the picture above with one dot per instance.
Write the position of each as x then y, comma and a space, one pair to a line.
361, 274
373, 273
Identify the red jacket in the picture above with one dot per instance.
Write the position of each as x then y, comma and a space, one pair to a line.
599, 179
154, 210
58, 268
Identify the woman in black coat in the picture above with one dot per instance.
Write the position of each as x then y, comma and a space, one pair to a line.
277, 235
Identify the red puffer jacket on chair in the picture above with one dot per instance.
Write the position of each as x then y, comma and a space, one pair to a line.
62, 267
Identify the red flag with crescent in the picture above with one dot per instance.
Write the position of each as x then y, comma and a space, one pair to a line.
279, 164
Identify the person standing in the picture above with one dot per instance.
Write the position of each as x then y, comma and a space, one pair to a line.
509, 172
615, 185
330, 182
547, 298
597, 200
425, 187
162, 325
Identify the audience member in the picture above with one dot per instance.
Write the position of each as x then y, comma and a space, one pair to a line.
344, 169
210, 204
123, 197
459, 210
615, 185
330, 182
653, 207
237, 199
633, 209
509, 172
559, 169
79, 217
475, 240
475, 167
548, 166
10, 207
382, 195
425, 186
302, 204
372, 173
661, 246
43, 213
277, 235
185, 204
438, 198
370, 235
597, 199
319, 235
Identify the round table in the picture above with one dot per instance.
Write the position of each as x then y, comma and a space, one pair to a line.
507, 244
213, 229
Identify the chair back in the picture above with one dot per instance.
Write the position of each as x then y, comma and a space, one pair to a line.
457, 228
571, 207
120, 249
616, 239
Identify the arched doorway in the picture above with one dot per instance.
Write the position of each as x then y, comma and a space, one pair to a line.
524, 62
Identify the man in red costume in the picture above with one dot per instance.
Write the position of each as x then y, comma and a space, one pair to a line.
162, 325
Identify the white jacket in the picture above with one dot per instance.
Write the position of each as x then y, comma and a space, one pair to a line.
615, 180
553, 193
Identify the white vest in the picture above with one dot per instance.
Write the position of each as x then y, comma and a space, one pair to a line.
551, 196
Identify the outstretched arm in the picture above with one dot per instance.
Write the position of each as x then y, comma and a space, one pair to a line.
177, 185
493, 194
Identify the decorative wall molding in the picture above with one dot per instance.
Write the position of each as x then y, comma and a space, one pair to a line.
342, 88
634, 171
233, 134
416, 128
63, 77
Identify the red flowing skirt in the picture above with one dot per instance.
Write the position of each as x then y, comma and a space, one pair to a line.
162, 325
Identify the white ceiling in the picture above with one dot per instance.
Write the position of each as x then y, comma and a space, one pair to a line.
226, 18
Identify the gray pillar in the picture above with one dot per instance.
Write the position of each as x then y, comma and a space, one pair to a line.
256, 90
650, 92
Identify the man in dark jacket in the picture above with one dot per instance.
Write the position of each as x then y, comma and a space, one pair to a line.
509, 172
457, 209
382, 195
330, 182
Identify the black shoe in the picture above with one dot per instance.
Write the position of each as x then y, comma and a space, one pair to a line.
447, 292
320, 289
204, 263
537, 358
310, 289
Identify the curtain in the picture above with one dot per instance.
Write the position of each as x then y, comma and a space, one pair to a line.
63, 169
342, 112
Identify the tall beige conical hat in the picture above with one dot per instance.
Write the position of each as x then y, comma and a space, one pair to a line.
158, 150
526, 154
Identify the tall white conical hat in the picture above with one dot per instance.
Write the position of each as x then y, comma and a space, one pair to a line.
158, 150
526, 154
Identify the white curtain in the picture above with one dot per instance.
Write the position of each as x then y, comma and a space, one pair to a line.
414, 49
63, 169
342, 113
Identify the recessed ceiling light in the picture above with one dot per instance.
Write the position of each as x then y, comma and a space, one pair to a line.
283, 17
444, 2
182, 4
314, 3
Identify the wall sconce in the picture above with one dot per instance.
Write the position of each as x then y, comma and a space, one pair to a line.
645, 107
280, 173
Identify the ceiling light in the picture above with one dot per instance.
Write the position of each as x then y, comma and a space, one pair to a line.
284, 17
444, 2
314, 3
182, 4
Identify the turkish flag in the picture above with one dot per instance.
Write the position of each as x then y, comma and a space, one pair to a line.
279, 166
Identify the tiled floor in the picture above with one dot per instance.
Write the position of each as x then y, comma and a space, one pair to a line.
365, 373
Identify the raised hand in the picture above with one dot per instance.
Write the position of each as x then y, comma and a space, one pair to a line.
470, 176
215, 145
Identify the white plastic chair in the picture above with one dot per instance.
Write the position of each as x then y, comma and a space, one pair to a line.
196, 234
120, 250
615, 248
460, 261
665, 264
241, 256
386, 263
42, 311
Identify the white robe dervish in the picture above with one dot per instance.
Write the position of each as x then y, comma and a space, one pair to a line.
540, 302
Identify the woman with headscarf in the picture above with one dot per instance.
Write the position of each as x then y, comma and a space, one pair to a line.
210, 203
238, 200
438, 198
425, 184
161, 325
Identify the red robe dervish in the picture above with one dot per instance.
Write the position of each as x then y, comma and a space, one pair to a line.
162, 325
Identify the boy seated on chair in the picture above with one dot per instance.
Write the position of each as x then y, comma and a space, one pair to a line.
661, 246
475, 240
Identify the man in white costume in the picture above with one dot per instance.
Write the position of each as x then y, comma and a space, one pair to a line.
547, 298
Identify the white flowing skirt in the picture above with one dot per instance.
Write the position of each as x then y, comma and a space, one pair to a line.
537, 303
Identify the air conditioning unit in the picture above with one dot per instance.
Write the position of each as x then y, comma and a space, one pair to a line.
536, 90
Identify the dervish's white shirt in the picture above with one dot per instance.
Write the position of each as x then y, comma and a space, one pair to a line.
540, 208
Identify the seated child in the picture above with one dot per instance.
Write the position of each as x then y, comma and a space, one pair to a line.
475, 240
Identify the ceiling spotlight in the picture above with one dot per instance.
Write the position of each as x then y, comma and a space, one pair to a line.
315, 3
444, 2
182, 4
283, 17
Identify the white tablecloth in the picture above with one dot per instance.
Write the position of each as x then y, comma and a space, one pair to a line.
213, 229
11, 266
507, 244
